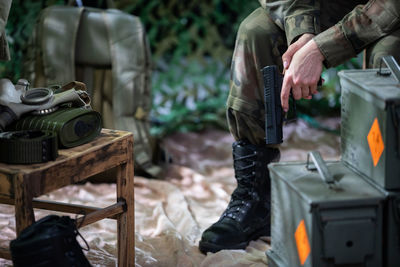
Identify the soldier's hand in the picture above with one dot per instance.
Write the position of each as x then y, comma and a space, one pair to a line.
303, 74
293, 48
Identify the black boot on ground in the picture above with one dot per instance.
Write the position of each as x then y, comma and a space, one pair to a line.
247, 216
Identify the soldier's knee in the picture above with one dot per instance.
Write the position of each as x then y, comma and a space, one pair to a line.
243, 126
388, 45
375, 61
257, 26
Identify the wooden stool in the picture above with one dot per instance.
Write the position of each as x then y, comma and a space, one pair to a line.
19, 184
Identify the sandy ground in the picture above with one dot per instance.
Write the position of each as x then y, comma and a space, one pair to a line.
171, 214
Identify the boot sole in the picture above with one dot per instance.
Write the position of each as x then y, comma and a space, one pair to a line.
205, 247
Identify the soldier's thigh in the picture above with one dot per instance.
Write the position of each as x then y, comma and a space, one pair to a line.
259, 43
263, 41
388, 45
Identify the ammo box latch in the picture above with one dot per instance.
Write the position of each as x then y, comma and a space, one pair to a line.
348, 240
392, 65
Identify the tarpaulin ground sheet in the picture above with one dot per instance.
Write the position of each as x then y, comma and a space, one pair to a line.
170, 214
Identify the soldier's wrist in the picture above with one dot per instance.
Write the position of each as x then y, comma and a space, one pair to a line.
316, 50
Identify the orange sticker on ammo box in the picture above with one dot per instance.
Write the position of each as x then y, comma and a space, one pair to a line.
302, 243
375, 142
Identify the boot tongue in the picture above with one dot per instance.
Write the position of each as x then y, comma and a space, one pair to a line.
244, 162
243, 189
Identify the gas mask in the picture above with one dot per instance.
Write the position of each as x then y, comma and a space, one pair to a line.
17, 100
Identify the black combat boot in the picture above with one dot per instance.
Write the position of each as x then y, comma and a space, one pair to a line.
247, 216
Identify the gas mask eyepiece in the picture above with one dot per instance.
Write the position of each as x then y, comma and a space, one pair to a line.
36, 96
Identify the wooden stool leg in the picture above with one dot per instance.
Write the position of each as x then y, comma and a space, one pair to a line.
24, 215
126, 220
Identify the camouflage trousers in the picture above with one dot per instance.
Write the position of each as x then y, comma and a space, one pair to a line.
259, 43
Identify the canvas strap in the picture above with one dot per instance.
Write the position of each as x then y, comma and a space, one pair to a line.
26, 147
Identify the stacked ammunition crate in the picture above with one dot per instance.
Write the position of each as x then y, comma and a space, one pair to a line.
345, 213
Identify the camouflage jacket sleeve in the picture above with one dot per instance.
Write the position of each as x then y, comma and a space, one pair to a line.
295, 17
362, 26
4, 9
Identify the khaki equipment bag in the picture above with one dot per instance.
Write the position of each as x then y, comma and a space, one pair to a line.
106, 49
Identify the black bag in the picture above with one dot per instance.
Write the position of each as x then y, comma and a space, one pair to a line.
49, 242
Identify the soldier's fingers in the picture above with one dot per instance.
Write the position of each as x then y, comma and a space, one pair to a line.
305, 91
287, 56
313, 89
285, 92
296, 91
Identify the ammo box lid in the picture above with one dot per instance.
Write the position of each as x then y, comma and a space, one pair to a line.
374, 88
309, 185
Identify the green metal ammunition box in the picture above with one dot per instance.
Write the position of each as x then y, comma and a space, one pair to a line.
317, 222
370, 132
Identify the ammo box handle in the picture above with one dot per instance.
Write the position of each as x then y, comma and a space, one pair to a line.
391, 63
320, 166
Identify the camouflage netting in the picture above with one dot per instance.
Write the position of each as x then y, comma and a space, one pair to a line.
190, 28
175, 28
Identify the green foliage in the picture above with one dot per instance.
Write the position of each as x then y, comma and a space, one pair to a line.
189, 96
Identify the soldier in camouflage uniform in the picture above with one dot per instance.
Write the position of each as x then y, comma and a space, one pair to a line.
300, 36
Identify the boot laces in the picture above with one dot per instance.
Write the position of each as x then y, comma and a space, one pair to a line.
244, 194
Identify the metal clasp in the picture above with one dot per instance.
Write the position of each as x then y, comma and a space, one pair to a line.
394, 68
320, 165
